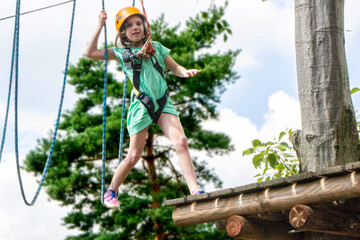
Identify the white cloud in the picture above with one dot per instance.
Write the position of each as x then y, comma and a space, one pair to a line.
284, 112
236, 170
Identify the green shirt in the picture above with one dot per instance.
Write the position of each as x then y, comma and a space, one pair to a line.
151, 83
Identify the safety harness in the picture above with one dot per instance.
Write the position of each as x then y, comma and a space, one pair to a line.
134, 61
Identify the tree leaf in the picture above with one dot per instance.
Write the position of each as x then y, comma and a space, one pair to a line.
257, 143
272, 160
354, 90
285, 144
248, 151
257, 160
281, 135
281, 147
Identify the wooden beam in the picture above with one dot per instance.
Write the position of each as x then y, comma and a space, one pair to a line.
269, 200
241, 228
282, 216
272, 216
312, 219
349, 205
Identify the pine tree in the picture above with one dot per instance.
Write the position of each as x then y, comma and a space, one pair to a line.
74, 178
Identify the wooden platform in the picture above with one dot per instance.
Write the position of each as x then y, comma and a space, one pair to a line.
336, 188
276, 183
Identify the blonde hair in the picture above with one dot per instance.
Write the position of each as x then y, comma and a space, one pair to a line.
121, 34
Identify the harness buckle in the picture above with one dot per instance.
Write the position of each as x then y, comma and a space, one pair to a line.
127, 59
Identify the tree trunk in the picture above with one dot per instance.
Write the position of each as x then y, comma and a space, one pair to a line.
329, 134
155, 188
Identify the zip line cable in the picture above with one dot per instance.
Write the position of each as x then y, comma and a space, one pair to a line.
16, 60
36, 10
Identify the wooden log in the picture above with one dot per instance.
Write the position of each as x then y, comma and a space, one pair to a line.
241, 228
269, 200
272, 216
221, 225
323, 220
349, 205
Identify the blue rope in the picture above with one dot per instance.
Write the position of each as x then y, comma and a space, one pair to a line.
46, 168
16, 35
104, 115
122, 121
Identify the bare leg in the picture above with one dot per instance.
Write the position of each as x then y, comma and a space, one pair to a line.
136, 147
172, 128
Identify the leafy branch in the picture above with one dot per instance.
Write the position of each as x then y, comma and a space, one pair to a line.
275, 158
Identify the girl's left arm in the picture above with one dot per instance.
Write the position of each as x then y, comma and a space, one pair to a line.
179, 70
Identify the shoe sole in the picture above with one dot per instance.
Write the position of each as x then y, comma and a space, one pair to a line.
111, 205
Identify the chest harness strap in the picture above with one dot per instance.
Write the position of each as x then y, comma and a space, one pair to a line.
134, 61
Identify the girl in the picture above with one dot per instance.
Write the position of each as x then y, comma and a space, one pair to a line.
151, 94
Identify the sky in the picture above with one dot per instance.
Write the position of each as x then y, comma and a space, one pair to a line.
260, 104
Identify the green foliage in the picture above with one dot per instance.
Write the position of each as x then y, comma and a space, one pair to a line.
74, 177
354, 90
274, 158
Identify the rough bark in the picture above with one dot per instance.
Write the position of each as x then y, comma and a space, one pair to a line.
329, 134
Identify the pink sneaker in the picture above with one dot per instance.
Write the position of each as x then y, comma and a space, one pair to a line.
199, 192
110, 199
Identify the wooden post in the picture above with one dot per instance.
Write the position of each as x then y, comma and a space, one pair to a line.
269, 200
323, 220
241, 228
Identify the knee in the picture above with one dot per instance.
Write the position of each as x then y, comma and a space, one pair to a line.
181, 144
132, 158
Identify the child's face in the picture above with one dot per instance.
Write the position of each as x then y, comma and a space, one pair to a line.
134, 28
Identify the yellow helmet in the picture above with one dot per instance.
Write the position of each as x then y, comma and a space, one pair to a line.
124, 13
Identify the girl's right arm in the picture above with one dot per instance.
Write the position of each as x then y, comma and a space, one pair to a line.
92, 50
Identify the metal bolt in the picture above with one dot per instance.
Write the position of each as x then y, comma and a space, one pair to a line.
352, 224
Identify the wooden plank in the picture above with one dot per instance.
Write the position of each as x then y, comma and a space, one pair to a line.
175, 202
253, 187
198, 197
269, 200
332, 171
222, 193
312, 219
275, 183
303, 177
242, 228
354, 166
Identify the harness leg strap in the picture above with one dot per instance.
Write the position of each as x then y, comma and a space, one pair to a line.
161, 102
